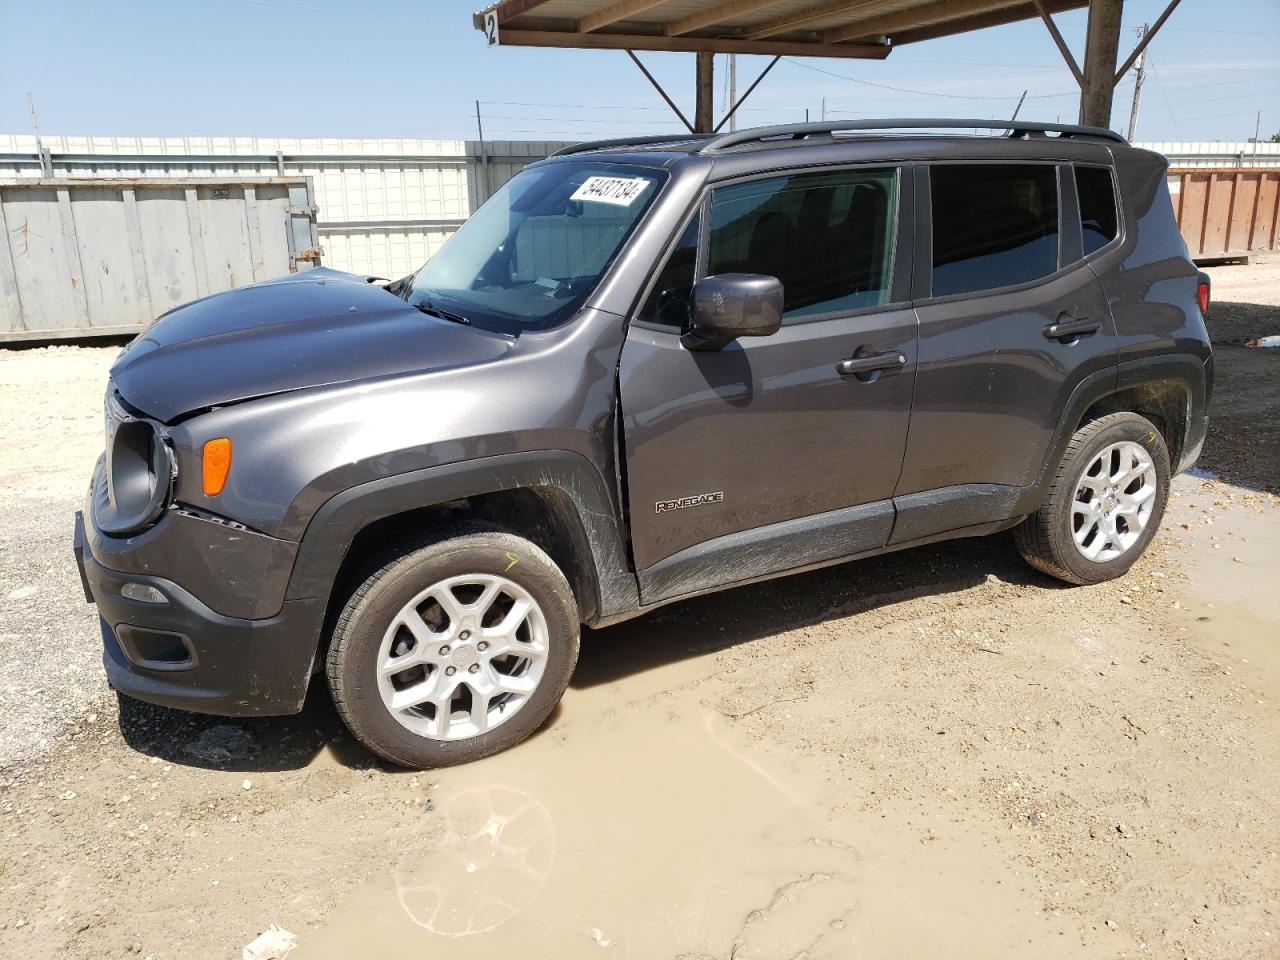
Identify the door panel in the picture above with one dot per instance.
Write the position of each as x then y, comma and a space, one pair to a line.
993, 379
768, 423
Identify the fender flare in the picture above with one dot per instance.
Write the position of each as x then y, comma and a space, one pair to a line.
580, 490
1183, 370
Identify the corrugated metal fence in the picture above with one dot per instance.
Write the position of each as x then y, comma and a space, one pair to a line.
384, 206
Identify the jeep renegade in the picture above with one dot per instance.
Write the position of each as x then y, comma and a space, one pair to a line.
642, 371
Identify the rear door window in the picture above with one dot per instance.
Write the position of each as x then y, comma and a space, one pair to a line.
994, 225
828, 237
1097, 195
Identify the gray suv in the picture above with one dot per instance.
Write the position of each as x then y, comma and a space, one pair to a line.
642, 371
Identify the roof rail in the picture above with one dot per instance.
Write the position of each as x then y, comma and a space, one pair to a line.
630, 142
799, 131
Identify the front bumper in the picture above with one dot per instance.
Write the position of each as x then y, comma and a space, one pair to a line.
180, 653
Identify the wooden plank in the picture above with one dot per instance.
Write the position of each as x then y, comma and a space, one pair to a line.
712, 16
72, 245
1264, 234
10, 299
1275, 220
136, 251
620, 41
1194, 195
798, 19
1233, 185
1244, 209
939, 11
510, 9
613, 13
1215, 216
981, 21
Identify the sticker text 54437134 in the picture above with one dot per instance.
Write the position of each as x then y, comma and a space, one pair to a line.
621, 191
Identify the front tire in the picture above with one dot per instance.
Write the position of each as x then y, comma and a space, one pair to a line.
454, 649
1104, 504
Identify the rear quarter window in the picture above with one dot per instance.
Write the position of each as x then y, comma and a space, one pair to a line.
994, 225
1096, 192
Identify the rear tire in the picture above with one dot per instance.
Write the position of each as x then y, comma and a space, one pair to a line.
454, 649
1104, 504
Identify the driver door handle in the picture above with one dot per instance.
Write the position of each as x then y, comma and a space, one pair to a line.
889, 360
1068, 329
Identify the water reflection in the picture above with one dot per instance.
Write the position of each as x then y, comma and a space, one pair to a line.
655, 829
492, 856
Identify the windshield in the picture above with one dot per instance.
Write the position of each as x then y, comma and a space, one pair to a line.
528, 258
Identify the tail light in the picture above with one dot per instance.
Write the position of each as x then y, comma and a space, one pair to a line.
1202, 295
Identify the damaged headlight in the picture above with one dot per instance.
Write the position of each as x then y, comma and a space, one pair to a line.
139, 475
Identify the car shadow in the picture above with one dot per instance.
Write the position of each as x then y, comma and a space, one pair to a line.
717, 621
691, 628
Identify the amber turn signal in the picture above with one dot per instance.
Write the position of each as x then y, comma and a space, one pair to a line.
217, 464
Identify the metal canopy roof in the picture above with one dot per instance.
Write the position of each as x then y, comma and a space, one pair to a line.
866, 29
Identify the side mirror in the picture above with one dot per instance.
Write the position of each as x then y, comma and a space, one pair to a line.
733, 305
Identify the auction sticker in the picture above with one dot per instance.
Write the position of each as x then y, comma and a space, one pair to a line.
621, 191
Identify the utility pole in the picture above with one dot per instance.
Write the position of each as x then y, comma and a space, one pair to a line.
733, 91
824, 109
1137, 84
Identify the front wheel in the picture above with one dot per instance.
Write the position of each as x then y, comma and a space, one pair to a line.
455, 649
1103, 505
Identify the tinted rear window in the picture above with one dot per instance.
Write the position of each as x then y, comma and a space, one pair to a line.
994, 225
1097, 207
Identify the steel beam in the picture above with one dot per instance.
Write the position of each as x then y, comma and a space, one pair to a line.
1062, 44
1146, 39
662, 93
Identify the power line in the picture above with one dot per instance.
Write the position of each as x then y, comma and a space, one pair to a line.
1168, 106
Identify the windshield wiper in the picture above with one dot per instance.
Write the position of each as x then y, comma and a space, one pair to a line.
425, 307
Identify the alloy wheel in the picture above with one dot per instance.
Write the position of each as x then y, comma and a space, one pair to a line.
1113, 501
463, 656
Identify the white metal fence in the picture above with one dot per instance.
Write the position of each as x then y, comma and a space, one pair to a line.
1216, 153
384, 206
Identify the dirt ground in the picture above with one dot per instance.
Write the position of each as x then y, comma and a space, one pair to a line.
934, 753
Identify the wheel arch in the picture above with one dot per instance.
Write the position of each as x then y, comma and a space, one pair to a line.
556, 499
1170, 390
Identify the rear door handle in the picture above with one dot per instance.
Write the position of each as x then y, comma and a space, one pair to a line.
889, 360
1067, 329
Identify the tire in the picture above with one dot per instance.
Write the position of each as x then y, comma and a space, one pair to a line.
482, 699
1080, 503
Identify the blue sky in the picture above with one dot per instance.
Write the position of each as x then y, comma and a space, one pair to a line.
415, 69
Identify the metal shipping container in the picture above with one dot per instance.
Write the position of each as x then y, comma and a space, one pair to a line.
82, 258
1226, 213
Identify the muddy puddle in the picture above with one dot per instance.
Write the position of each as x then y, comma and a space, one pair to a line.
1230, 604
650, 829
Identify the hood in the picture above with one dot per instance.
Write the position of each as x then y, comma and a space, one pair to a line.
306, 330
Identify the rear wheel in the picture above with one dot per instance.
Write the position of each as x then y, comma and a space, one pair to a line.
455, 649
1103, 505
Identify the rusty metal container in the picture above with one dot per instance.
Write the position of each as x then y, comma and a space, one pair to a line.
1227, 213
